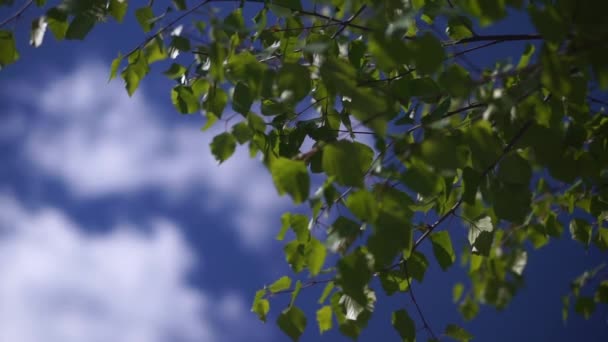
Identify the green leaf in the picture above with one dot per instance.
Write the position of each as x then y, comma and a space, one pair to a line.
428, 54
513, 169
363, 205
485, 146
393, 281
601, 295
234, 23
326, 291
511, 201
549, 22
295, 292
242, 98
443, 152
324, 318
145, 18
118, 9
354, 273
392, 235
581, 231
552, 226
347, 161
292, 322
456, 81
457, 333
223, 146
180, 5
601, 238
299, 225
404, 324
175, 71
242, 132
442, 248
342, 234
80, 26
316, 256
291, 177
458, 27
584, 306
184, 99
290, 4
135, 71
468, 308
155, 50
293, 82
457, 292
524, 60
480, 235
470, 183
216, 101
282, 284
422, 180
295, 254
261, 306
8, 49
57, 20
417, 265
115, 65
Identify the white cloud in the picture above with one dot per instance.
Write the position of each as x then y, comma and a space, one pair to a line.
60, 284
100, 142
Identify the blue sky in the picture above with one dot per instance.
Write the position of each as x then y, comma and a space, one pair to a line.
116, 224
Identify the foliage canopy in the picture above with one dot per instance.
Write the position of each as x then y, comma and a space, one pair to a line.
381, 106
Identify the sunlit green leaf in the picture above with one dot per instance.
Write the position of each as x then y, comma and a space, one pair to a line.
324, 318
261, 305
223, 146
281, 284
291, 177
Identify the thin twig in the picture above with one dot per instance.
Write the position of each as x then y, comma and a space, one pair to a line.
18, 13
598, 101
350, 20
426, 324
492, 37
460, 53
305, 285
166, 27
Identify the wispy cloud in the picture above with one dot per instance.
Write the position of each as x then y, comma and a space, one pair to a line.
60, 284
99, 142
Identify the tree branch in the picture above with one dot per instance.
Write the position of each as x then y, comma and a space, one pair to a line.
500, 37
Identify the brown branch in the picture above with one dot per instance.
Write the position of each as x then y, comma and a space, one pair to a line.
500, 37
18, 13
